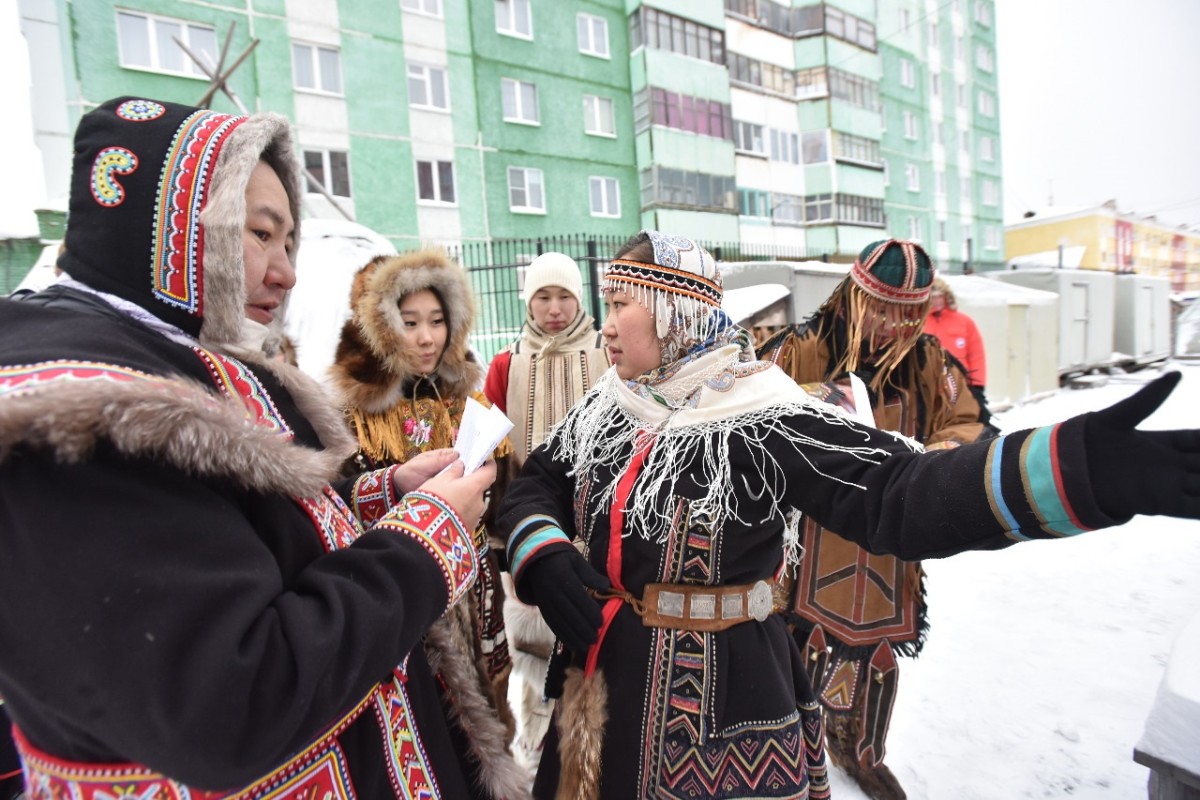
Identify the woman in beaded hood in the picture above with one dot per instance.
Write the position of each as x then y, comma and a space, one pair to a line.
404, 372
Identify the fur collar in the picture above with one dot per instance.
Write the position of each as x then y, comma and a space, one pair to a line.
176, 421
371, 369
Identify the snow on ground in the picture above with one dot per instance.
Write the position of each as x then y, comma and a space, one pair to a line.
1043, 659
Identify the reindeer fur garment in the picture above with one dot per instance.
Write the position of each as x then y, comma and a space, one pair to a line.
371, 367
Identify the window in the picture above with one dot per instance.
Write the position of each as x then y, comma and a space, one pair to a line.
513, 19
814, 145
905, 19
605, 197
435, 181
316, 68
960, 94
991, 237
933, 34
987, 148
787, 209
754, 203
906, 74
598, 116
914, 229
785, 146
965, 180
991, 193
983, 12
666, 186
858, 210
912, 177
593, 35
525, 193
910, 125
939, 181
693, 114
941, 230
427, 87
148, 41
854, 89
937, 133
812, 82
330, 168
935, 84
987, 104
431, 7
958, 48
748, 138
520, 101
649, 27
818, 208
759, 73
984, 59
964, 140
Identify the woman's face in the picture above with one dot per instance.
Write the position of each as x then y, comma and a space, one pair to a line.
630, 337
553, 308
423, 331
937, 302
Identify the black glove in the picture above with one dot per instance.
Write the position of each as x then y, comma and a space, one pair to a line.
1142, 472
556, 584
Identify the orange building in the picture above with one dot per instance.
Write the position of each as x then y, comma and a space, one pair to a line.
1104, 238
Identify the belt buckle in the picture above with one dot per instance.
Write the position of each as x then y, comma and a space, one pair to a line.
759, 601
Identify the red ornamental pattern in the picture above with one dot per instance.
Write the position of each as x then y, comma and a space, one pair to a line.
427, 519
234, 379
23, 379
408, 763
178, 236
332, 518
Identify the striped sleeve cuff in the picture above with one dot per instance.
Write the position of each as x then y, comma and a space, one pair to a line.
532, 536
432, 523
1034, 490
374, 495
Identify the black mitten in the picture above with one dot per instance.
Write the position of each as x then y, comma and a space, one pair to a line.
556, 584
1142, 472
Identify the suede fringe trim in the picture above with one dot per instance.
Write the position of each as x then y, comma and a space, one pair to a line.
582, 715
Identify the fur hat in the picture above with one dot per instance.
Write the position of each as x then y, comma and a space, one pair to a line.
679, 284
158, 203
553, 269
371, 368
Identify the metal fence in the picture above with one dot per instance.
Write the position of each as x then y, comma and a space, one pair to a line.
497, 273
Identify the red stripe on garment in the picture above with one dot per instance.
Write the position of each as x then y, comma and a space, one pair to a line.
1058, 481
616, 520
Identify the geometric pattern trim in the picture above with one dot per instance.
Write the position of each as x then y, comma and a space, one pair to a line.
332, 518
408, 764
178, 237
234, 379
431, 522
30, 377
374, 495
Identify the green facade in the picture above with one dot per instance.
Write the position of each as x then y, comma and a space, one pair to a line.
371, 119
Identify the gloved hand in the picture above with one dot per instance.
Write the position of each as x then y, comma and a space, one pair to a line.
556, 584
1142, 472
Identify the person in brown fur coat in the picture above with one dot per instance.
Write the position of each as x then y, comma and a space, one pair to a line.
404, 372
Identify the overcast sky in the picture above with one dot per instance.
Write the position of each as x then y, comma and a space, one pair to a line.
1098, 101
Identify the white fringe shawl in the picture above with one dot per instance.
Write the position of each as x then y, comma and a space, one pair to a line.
752, 409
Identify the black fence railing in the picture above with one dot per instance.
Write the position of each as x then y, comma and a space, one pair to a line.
497, 273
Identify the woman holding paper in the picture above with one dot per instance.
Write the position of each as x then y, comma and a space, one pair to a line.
405, 375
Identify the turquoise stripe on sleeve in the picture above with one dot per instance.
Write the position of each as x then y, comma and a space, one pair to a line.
531, 545
998, 492
1043, 485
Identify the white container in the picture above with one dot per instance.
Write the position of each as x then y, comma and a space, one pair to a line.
1142, 318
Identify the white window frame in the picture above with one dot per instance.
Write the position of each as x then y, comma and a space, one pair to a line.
991, 237
914, 229
423, 7
990, 195
939, 182
591, 30
758, 141
984, 59
510, 14
966, 187
907, 74
912, 177
910, 125
190, 68
427, 74
604, 183
435, 176
905, 19
785, 146
987, 148
314, 50
519, 102
935, 84
987, 104
593, 116
327, 169
524, 174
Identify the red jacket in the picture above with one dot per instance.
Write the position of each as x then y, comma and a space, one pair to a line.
958, 333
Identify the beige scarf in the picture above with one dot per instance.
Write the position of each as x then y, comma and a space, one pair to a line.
549, 374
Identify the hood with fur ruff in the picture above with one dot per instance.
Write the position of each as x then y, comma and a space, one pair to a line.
371, 370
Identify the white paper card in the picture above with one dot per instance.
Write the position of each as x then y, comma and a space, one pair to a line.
480, 432
862, 401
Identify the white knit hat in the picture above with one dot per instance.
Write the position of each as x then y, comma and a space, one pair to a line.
553, 269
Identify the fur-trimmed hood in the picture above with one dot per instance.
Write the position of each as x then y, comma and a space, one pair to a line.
371, 370
157, 207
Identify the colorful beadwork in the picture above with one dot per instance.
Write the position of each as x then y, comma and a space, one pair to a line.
234, 379
374, 495
30, 377
140, 110
332, 518
110, 162
178, 237
427, 519
408, 763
